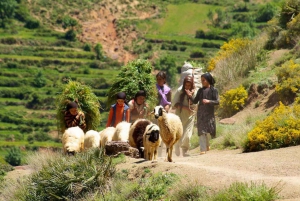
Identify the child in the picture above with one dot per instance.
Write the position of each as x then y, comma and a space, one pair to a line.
164, 92
119, 111
185, 109
208, 97
138, 106
73, 117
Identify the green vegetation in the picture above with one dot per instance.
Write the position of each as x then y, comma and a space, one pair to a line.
134, 76
88, 103
13, 156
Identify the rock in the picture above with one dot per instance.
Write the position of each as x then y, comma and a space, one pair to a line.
118, 147
229, 121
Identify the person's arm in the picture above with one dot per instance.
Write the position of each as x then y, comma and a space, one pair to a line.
217, 101
71, 121
169, 98
109, 117
128, 115
194, 98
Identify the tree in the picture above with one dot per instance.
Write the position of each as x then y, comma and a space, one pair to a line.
70, 24
168, 64
7, 10
266, 13
13, 156
98, 50
134, 76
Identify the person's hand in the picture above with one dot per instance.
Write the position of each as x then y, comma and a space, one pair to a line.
189, 93
205, 101
167, 107
176, 105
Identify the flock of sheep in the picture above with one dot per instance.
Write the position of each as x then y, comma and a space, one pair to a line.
142, 134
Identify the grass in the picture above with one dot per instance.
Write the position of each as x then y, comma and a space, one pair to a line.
182, 19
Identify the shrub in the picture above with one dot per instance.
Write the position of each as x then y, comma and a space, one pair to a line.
32, 24
228, 49
288, 81
266, 13
88, 102
232, 101
70, 35
134, 76
87, 47
168, 64
190, 191
280, 129
98, 50
197, 54
245, 191
13, 156
69, 178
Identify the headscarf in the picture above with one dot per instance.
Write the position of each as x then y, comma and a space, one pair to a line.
183, 93
121, 95
71, 105
209, 78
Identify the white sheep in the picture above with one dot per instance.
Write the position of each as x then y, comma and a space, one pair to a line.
136, 133
91, 139
151, 141
73, 140
107, 135
122, 132
170, 127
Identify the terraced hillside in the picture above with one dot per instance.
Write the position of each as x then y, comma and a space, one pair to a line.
34, 66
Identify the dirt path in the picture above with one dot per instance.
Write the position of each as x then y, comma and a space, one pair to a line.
218, 169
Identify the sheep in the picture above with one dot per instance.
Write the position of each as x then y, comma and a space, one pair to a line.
107, 135
122, 132
136, 132
170, 127
151, 141
91, 139
73, 140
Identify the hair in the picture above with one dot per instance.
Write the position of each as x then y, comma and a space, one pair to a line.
71, 105
121, 95
140, 93
162, 74
182, 95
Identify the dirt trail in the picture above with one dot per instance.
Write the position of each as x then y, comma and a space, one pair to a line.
218, 169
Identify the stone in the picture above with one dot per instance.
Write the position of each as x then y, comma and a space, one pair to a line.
117, 147
228, 121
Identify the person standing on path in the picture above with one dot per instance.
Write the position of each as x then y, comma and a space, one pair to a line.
208, 97
185, 109
164, 92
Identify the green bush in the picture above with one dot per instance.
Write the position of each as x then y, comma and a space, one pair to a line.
134, 76
197, 54
70, 35
13, 156
87, 47
32, 24
69, 178
190, 191
266, 12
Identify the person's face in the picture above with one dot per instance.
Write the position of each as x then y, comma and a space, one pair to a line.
204, 82
160, 81
188, 86
73, 111
140, 99
120, 101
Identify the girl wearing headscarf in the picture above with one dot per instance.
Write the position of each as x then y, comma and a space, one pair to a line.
138, 106
208, 97
119, 111
185, 109
164, 92
73, 117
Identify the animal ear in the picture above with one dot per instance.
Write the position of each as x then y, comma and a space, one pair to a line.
161, 111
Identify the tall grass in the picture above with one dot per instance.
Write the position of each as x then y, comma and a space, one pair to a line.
230, 70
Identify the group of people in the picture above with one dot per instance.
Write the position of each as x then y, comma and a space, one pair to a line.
186, 99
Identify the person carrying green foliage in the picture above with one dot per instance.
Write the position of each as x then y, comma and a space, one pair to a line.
73, 117
119, 111
138, 106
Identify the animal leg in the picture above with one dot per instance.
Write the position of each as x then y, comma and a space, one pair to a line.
170, 153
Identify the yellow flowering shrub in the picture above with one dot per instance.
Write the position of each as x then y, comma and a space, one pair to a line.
227, 50
288, 81
232, 101
280, 129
